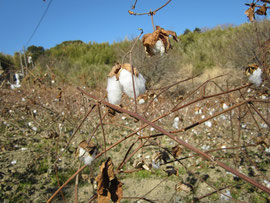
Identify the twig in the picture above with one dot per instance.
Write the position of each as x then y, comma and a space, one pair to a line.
101, 124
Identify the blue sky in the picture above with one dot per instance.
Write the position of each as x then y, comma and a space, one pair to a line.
106, 20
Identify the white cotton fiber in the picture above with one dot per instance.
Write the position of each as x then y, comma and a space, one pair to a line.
176, 122
114, 90
125, 79
256, 77
159, 47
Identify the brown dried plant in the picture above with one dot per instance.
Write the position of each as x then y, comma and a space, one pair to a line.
109, 188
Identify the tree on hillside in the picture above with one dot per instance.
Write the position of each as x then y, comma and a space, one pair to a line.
187, 31
35, 52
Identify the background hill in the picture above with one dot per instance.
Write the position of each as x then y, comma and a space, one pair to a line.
79, 63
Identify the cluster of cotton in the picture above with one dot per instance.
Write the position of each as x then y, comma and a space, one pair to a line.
120, 81
256, 77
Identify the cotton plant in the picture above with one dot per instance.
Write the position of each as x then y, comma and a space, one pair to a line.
120, 81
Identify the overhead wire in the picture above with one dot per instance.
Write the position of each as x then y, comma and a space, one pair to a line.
36, 28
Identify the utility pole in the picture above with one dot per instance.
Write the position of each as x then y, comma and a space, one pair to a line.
22, 69
25, 61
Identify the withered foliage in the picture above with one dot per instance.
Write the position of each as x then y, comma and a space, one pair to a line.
262, 10
266, 1
170, 170
109, 188
116, 70
176, 151
250, 12
150, 39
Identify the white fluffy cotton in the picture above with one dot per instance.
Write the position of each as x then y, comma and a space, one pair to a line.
159, 47
86, 157
256, 77
115, 90
125, 79
176, 123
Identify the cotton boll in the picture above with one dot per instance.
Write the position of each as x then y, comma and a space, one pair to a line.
114, 90
125, 79
176, 122
256, 77
159, 47
225, 106
141, 101
88, 160
208, 124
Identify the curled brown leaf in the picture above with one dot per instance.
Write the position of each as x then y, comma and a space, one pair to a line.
109, 187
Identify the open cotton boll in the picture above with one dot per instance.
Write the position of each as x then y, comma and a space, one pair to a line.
256, 77
86, 157
159, 47
125, 79
114, 90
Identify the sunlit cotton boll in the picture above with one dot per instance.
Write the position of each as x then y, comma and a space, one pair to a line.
114, 90
256, 77
125, 79
159, 47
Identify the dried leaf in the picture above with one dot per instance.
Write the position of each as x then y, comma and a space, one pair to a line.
170, 170
138, 163
130, 12
250, 12
176, 151
108, 185
262, 10
116, 190
182, 187
266, 1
